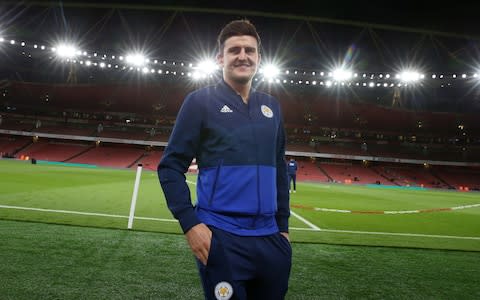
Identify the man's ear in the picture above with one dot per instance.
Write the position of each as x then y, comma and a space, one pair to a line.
220, 59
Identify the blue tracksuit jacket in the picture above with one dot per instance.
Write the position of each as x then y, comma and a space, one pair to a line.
242, 186
292, 167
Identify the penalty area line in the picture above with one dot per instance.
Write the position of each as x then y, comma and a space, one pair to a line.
311, 225
404, 234
390, 233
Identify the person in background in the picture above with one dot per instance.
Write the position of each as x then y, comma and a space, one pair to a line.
238, 228
292, 175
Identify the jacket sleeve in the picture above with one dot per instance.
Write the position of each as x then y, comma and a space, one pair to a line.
179, 153
283, 197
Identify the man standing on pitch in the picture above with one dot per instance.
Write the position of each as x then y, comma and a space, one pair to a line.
238, 228
292, 175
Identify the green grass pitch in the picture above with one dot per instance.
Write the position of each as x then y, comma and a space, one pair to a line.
101, 197
345, 245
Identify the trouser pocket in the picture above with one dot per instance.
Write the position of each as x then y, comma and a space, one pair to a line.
216, 275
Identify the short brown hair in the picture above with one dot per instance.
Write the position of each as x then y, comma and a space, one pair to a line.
237, 28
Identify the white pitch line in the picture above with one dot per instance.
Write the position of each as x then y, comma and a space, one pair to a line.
395, 212
83, 213
303, 229
312, 226
465, 206
156, 219
404, 234
390, 233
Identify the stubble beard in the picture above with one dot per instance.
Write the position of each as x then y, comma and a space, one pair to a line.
242, 79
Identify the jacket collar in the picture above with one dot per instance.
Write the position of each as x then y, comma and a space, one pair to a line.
225, 88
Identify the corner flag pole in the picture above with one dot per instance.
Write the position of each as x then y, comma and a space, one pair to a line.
134, 196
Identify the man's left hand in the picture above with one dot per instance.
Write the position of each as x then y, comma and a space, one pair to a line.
286, 235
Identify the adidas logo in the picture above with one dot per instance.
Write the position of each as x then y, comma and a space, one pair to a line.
226, 109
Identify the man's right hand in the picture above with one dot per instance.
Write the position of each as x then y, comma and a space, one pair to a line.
199, 238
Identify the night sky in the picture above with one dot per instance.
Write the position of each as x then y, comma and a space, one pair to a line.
304, 35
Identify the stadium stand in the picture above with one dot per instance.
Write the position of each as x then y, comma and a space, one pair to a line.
309, 171
119, 156
11, 145
340, 133
53, 151
352, 174
406, 175
460, 178
149, 160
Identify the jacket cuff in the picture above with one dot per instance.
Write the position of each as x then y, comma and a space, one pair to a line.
187, 220
282, 223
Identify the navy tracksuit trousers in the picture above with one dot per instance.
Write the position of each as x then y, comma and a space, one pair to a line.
292, 177
256, 267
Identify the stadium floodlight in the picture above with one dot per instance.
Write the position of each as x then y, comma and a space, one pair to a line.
341, 75
207, 67
65, 51
196, 75
270, 71
135, 59
410, 76
204, 69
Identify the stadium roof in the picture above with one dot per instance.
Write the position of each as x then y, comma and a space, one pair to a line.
459, 18
303, 33
374, 37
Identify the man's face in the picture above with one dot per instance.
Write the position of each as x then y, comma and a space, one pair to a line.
239, 59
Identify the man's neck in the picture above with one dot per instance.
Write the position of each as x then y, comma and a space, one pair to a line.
242, 89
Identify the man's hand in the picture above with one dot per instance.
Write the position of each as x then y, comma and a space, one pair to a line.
285, 234
199, 238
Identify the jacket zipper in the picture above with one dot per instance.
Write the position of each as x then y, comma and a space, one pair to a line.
217, 173
251, 105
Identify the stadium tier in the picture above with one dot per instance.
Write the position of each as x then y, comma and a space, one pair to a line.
150, 160
52, 151
331, 137
110, 156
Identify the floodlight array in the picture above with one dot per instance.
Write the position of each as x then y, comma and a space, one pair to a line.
208, 69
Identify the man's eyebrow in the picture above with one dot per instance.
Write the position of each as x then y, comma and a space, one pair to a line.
249, 48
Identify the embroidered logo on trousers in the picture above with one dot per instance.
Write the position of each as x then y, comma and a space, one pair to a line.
223, 290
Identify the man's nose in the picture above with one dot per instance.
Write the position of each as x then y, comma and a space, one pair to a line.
242, 55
